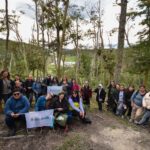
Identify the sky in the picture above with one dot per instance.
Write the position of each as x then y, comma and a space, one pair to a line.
109, 18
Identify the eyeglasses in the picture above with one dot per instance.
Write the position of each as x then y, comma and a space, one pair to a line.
16, 94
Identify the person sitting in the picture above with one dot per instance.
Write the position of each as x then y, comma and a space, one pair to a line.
61, 108
146, 105
16, 107
44, 102
77, 109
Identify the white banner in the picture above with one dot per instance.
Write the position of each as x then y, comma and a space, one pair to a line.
40, 119
54, 89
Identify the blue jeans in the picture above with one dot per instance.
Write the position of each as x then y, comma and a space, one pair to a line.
145, 117
119, 108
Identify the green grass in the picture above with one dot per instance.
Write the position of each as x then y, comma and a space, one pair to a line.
70, 58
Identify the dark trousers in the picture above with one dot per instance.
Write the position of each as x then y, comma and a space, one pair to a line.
129, 109
30, 96
86, 101
11, 122
5, 97
100, 105
75, 113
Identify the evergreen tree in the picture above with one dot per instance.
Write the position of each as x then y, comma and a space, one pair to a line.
141, 53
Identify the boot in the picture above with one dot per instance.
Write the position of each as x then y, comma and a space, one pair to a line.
11, 132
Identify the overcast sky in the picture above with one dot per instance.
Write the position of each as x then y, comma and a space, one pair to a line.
109, 18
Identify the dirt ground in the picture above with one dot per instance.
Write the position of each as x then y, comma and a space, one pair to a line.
106, 132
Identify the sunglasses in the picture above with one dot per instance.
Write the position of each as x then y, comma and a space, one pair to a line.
16, 94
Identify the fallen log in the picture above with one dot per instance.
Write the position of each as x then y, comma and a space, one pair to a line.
17, 137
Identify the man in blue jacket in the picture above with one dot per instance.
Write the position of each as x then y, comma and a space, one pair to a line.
15, 108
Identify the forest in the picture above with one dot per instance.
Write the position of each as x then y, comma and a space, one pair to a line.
61, 23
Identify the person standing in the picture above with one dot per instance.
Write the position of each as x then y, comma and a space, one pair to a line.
100, 96
128, 94
86, 93
112, 96
136, 103
121, 105
29, 90
5, 86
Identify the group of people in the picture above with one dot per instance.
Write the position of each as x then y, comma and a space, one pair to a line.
134, 104
71, 101
18, 96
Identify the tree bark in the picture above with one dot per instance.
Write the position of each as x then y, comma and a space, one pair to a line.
6, 61
121, 38
37, 24
61, 41
146, 77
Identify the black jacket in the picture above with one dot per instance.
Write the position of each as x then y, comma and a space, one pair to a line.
63, 104
100, 95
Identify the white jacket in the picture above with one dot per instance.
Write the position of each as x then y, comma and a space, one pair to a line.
146, 101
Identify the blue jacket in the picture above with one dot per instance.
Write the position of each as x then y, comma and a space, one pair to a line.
137, 98
37, 87
20, 105
40, 104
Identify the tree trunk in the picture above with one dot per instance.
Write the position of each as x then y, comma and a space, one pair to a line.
77, 50
43, 43
37, 24
146, 77
60, 50
127, 39
6, 61
100, 31
121, 38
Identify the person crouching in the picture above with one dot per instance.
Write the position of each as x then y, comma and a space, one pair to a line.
15, 109
61, 108
76, 104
